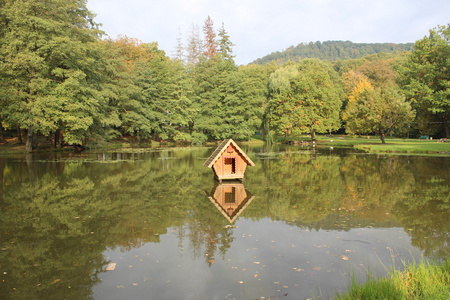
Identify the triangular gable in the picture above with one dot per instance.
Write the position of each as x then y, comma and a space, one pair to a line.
221, 149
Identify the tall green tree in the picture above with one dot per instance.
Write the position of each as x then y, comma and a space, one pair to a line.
304, 98
207, 99
161, 97
3, 97
216, 87
50, 59
253, 84
123, 112
376, 110
426, 81
225, 44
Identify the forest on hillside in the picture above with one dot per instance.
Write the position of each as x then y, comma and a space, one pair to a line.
62, 79
332, 51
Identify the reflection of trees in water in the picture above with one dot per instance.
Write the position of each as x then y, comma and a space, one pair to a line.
311, 187
331, 192
57, 221
58, 217
425, 209
210, 235
46, 245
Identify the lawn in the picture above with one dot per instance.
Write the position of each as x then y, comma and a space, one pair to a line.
393, 145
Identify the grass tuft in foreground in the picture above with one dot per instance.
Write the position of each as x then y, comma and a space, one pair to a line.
424, 280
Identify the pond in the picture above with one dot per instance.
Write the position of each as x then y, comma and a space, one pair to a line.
154, 224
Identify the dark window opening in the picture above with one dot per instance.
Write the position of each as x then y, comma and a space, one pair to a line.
230, 165
230, 196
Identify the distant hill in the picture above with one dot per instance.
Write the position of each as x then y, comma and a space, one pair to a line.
332, 50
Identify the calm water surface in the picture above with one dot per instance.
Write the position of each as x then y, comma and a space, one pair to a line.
304, 221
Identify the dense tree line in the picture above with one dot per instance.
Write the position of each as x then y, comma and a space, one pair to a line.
332, 51
61, 79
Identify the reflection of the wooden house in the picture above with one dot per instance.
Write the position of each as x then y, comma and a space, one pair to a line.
230, 198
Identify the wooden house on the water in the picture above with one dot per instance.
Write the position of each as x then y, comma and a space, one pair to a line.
230, 199
228, 161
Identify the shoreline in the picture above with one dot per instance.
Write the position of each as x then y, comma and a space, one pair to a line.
393, 146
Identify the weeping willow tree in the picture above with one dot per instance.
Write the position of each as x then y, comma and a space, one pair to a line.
304, 98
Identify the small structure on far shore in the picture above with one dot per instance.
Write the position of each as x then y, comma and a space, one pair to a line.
228, 161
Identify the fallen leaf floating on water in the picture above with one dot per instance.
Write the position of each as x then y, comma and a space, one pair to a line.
56, 280
317, 268
344, 257
111, 267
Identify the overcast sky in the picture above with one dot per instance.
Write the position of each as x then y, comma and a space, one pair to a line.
260, 27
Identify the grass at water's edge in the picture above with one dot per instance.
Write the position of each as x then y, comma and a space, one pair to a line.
423, 280
371, 144
392, 145
407, 147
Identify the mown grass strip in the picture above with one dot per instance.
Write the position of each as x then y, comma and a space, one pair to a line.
406, 147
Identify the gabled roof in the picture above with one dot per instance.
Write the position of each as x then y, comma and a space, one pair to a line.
221, 149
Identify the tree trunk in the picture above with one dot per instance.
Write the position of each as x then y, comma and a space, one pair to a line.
446, 129
57, 138
32, 141
313, 133
2, 168
19, 135
1, 130
35, 140
382, 138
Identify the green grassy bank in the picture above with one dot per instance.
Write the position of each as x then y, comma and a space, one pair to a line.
393, 145
417, 281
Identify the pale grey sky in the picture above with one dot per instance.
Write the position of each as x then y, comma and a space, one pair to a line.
259, 27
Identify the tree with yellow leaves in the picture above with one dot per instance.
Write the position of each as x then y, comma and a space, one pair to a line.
376, 110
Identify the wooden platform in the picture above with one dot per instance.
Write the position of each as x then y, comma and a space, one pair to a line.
230, 177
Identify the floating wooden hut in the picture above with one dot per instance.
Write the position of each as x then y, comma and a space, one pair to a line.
228, 161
